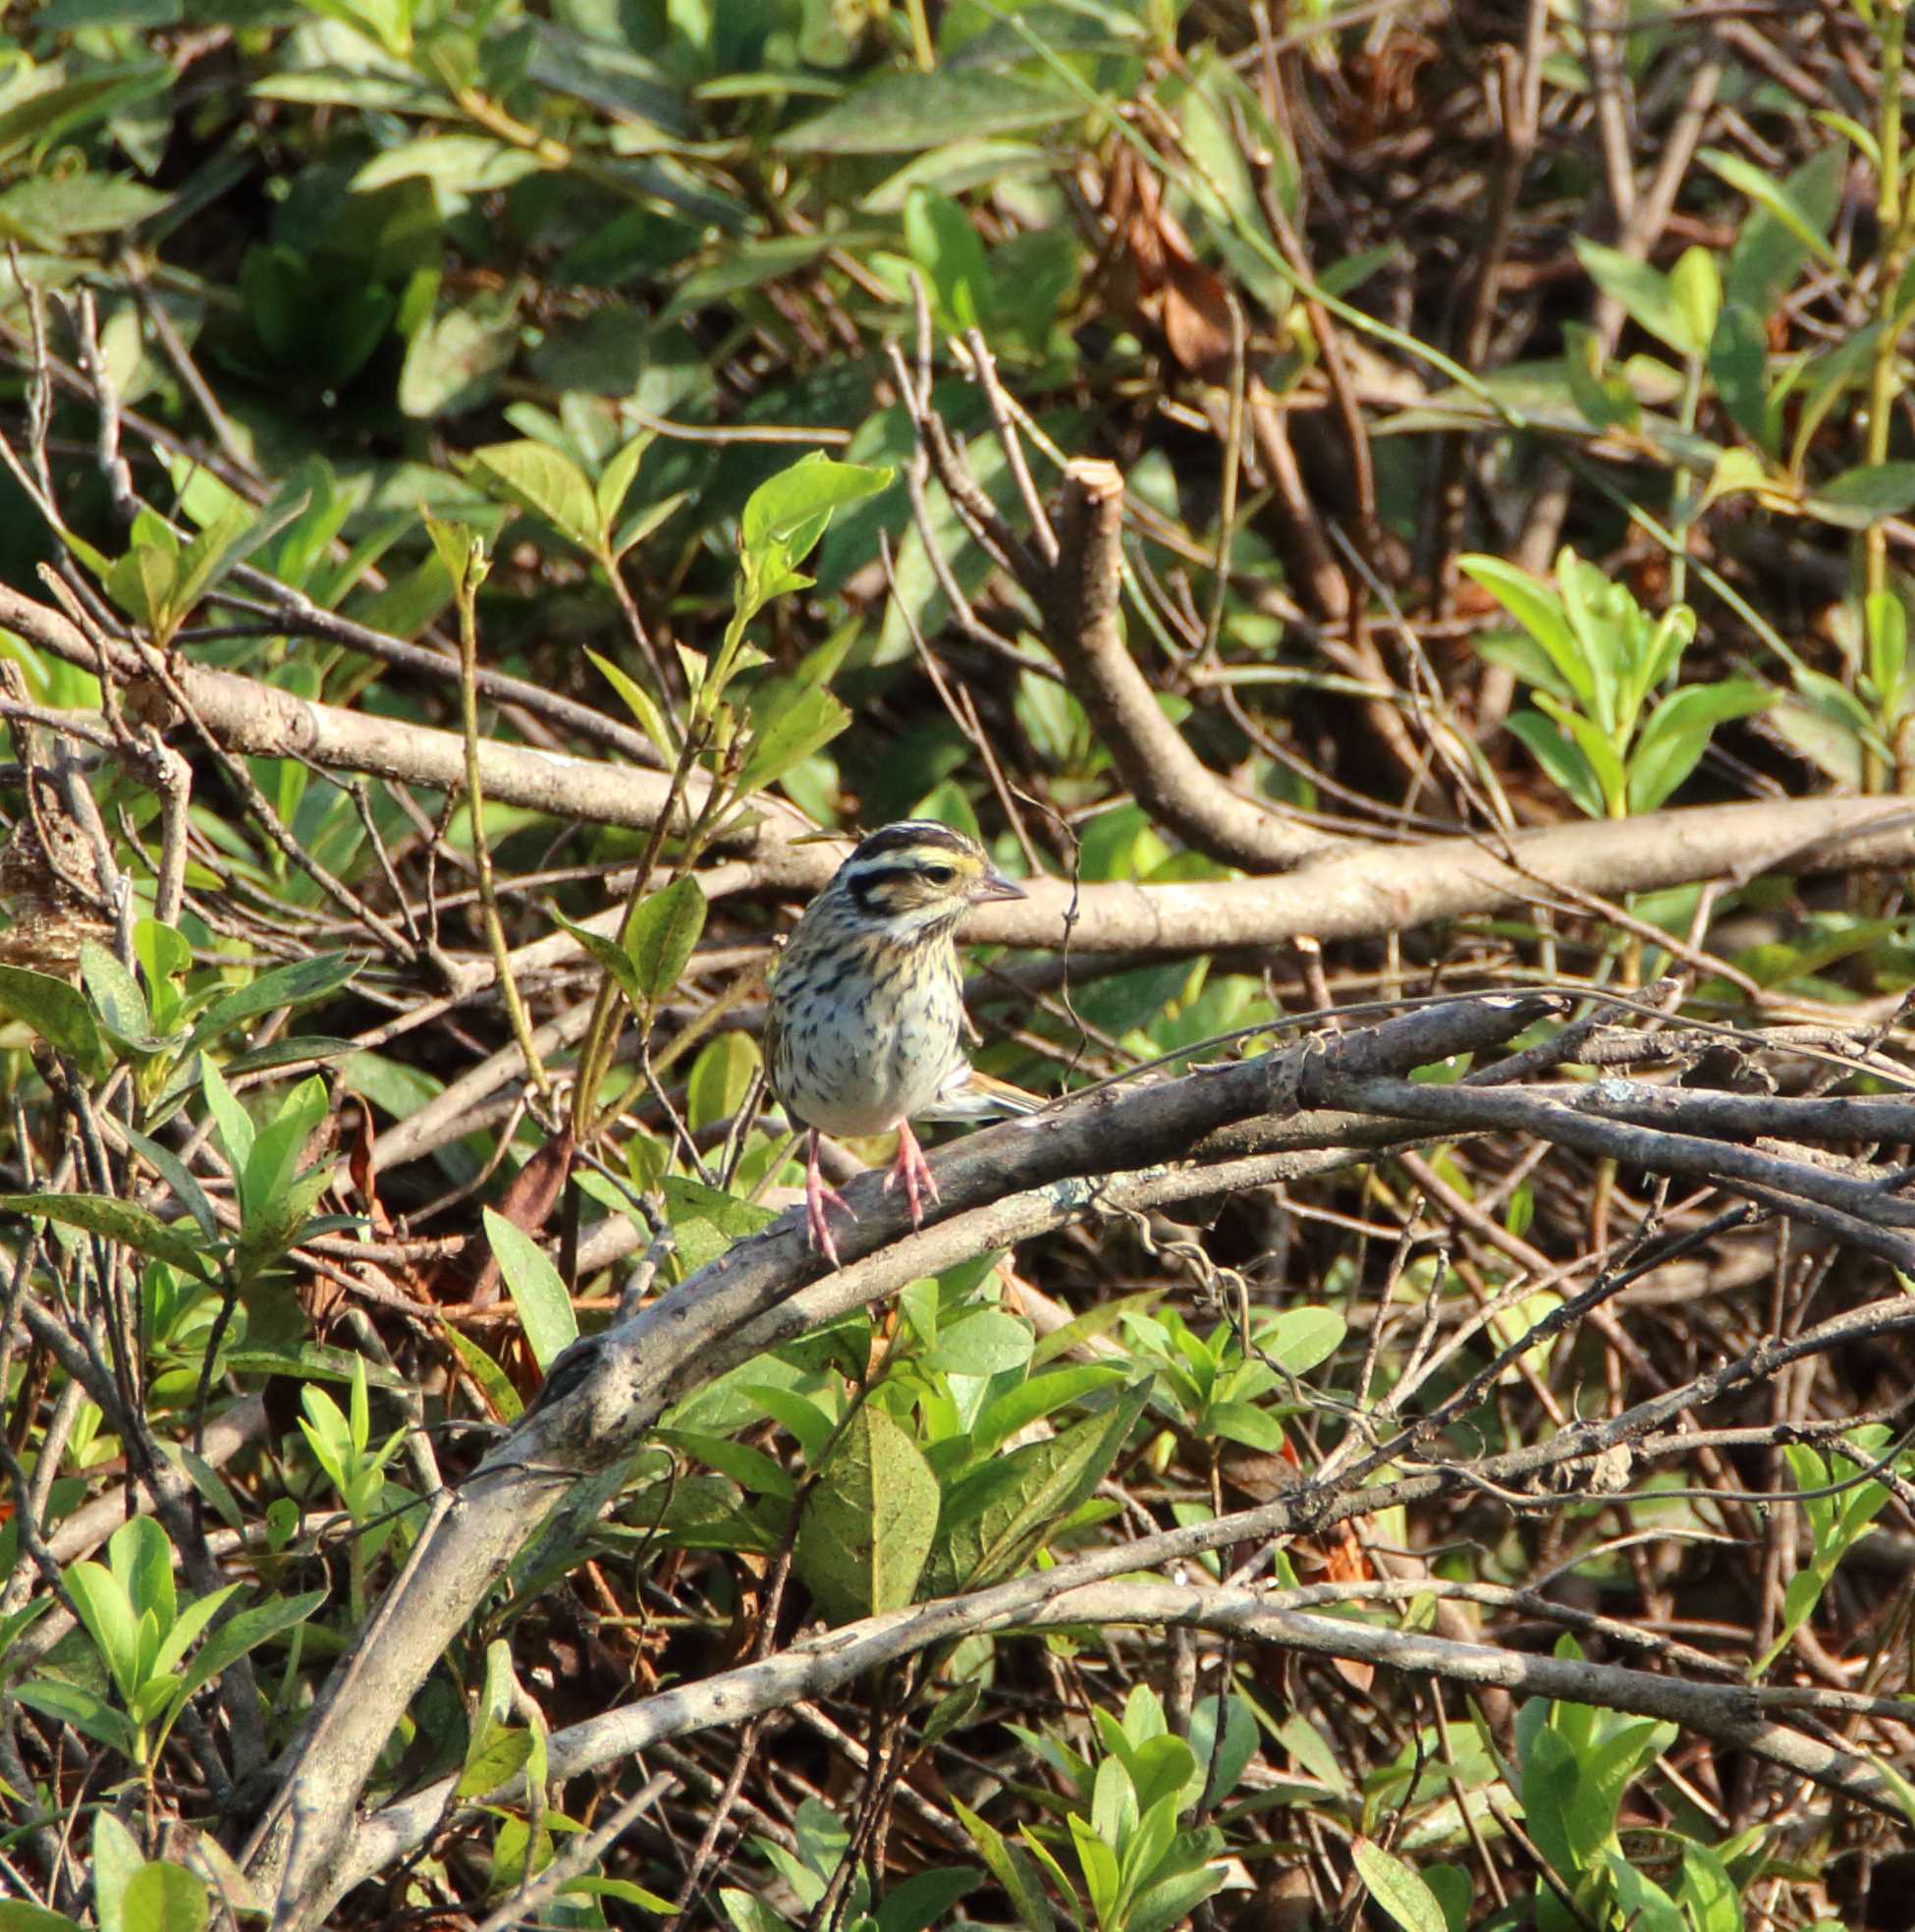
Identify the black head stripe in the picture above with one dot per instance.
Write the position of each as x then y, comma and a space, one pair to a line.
910, 834
867, 882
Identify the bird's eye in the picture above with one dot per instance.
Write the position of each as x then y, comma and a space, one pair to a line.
940, 875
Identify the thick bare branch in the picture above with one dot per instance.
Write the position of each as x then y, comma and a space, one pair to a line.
604, 1392
1732, 1714
1350, 891
1086, 631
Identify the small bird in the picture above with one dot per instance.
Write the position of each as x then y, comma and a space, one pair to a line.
864, 1029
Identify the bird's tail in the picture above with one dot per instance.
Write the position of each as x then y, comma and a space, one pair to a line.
968, 1095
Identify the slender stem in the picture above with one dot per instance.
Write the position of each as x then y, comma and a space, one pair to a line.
1892, 211
468, 582
923, 49
1681, 518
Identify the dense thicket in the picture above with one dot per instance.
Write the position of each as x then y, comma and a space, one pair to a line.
1395, 523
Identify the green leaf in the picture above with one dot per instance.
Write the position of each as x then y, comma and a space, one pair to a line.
486, 1372
141, 1559
1518, 653
907, 113
1738, 367
922, 1901
797, 1414
1827, 379
1707, 1893
1602, 394
1696, 285
638, 702
104, 1607
1863, 495
998, 1515
1644, 294
1006, 1414
408, 602
946, 248
1643, 1904
1888, 632
1234, 1751
1561, 759
115, 1221
751, 1468
645, 519
296, 985
454, 364
810, 717
622, 1889
1608, 626
1172, 1899
116, 1859
227, 542
1549, 1782
610, 956
1239, 1421
44, 116
142, 584
550, 485
83, 1709
164, 1898
1302, 1339
187, 1626
164, 957
277, 1145
1603, 1775
1098, 1863
614, 480
869, 1521
784, 509
115, 996
1677, 733
986, 1342
1539, 610
498, 1756
387, 22
538, 1292
691, 1200
1007, 1865
53, 1010
1112, 1803
748, 1913
238, 1635
1767, 256
1775, 199
720, 1078
461, 554
662, 934
455, 164
172, 1170
1397, 1887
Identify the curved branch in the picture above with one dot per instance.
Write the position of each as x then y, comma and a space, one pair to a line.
1348, 891
604, 1392
1154, 760
475, 1533
1730, 1714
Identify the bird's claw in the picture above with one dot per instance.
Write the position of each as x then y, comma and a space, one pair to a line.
914, 1171
820, 1197
817, 1221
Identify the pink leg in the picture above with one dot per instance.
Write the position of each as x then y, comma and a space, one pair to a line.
913, 1170
819, 1194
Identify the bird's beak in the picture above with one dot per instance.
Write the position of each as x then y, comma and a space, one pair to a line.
993, 885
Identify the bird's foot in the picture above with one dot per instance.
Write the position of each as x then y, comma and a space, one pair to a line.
819, 1197
911, 1168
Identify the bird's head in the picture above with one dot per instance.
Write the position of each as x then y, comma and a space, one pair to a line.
919, 875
